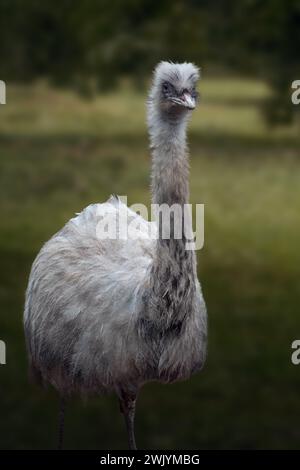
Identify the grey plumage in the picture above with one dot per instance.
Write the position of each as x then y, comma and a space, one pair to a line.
110, 315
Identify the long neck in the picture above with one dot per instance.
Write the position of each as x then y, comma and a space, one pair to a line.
170, 168
174, 270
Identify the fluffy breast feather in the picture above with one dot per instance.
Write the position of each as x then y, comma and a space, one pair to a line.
83, 293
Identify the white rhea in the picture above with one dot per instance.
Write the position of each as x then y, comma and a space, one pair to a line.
112, 314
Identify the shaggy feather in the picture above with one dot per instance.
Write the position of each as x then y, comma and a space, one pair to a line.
111, 314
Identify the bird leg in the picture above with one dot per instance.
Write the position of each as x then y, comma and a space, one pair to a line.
61, 423
127, 407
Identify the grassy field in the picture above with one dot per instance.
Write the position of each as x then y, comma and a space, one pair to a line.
58, 153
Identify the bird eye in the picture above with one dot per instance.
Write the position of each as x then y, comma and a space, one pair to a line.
166, 87
194, 93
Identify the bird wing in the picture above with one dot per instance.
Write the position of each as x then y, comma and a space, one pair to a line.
116, 228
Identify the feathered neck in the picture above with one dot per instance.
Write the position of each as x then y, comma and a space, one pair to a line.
173, 274
170, 168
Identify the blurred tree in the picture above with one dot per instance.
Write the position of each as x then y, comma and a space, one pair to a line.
89, 44
267, 35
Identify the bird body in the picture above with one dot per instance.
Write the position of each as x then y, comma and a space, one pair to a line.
110, 314
82, 304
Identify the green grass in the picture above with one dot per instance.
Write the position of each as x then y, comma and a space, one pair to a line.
58, 153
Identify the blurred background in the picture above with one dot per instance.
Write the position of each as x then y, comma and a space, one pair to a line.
73, 131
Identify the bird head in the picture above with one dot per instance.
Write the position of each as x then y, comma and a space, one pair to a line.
174, 87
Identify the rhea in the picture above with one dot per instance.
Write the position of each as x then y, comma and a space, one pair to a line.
110, 314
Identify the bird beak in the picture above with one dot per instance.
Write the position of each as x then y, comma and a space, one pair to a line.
188, 101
